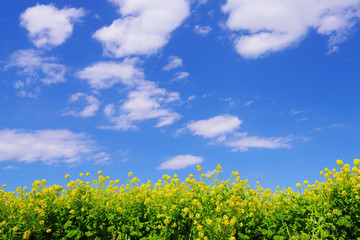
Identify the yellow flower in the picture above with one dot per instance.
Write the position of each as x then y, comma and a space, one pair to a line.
130, 174
199, 227
218, 167
42, 222
67, 176
99, 172
201, 234
15, 229
49, 230
339, 162
27, 234
298, 185
81, 174
197, 215
72, 211
88, 174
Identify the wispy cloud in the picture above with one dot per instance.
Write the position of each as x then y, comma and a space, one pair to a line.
9, 167
180, 162
141, 29
49, 146
295, 112
49, 26
266, 26
248, 103
179, 76
36, 69
174, 62
243, 142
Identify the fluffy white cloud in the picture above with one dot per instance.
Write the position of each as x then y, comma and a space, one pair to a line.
48, 146
49, 26
215, 126
103, 75
202, 30
174, 62
92, 105
36, 69
181, 161
147, 101
266, 26
242, 142
144, 28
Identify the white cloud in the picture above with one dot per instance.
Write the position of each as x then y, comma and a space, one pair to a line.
92, 105
248, 103
222, 129
174, 62
202, 30
181, 161
103, 75
147, 101
179, 76
109, 110
243, 142
48, 146
295, 112
215, 126
49, 26
36, 69
144, 28
266, 26
9, 167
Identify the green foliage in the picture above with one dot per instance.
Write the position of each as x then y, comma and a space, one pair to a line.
210, 208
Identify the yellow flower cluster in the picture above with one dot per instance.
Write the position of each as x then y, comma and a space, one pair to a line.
210, 208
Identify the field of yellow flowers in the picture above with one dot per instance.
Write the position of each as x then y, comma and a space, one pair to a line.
208, 208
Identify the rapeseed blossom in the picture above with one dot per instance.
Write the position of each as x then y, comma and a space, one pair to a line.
209, 208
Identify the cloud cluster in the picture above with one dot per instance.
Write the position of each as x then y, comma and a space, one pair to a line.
36, 68
223, 128
48, 26
145, 102
48, 146
266, 26
181, 161
144, 27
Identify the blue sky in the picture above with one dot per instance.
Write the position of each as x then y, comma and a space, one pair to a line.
268, 88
